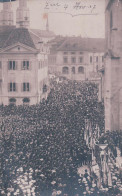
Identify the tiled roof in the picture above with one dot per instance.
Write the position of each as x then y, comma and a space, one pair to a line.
5, 31
12, 36
82, 44
56, 43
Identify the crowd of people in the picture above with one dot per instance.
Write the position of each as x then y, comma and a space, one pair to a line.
114, 140
48, 138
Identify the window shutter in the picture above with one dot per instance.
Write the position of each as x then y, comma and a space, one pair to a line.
30, 65
8, 87
16, 87
16, 65
22, 87
29, 87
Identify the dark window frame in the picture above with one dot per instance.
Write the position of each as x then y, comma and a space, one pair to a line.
65, 70
91, 59
12, 87
73, 70
73, 59
80, 61
65, 60
81, 70
12, 65
111, 20
25, 65
26, 87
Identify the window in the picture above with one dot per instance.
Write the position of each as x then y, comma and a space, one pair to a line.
65, 70
12, 65
0, 65
65, 60
73, 70
96, 67
26, 86
111, 20
26, 100
12, 87
26, 18
81, 70
12, 101
25, 65
65, 52
73, 60
102, 59
74, 45
72, 52
90, 59
97, 59
81, 60
66, 45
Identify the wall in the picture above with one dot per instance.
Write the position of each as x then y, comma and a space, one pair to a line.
113, 68
42, 76
19, 76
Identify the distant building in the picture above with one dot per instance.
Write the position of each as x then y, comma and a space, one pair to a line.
77, 58
23, 58
113, 66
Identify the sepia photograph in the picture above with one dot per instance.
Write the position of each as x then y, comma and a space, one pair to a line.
60, 97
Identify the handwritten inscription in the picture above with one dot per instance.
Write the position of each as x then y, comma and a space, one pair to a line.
72, 7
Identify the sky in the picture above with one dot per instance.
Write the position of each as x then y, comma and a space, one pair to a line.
68, 17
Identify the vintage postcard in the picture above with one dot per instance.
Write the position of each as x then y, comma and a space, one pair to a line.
60, 98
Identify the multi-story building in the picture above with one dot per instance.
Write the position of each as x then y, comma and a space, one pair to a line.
77, 58
23, 58
113, 68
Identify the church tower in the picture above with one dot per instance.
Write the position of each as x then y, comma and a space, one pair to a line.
22, 14
6, 15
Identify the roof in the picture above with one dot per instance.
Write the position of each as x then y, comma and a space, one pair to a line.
43, 33
79, 44
5, 31
56, 43
11, 36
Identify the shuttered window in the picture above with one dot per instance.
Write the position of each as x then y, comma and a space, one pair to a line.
25, 65
12, 65
26, 87
12, 87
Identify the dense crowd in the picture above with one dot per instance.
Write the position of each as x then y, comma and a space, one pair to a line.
48, 138
114, 140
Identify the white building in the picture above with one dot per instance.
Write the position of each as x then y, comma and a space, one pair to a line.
23, 58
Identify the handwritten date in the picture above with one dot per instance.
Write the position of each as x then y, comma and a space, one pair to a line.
76, 6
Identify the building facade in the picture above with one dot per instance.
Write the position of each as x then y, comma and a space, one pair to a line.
23, 59
113, 68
